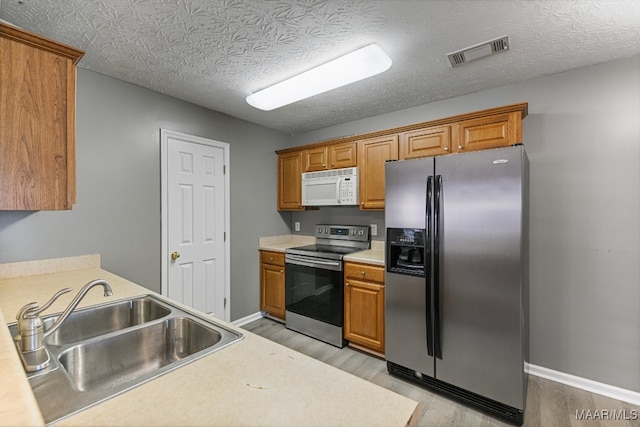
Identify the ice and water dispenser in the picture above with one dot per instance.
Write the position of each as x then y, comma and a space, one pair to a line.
406, 251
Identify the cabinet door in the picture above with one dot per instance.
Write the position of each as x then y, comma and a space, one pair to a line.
37, 116
290, 181
364, 314
500, 130
272, 289
343, 155
426, 142
372, 155
315, 159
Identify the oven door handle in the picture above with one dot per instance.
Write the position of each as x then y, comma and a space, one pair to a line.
304, 261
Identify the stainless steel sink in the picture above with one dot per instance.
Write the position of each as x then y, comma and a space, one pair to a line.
91, 322
120, 358
102, 351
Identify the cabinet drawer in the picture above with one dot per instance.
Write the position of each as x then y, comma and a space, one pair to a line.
275, 258
366, 272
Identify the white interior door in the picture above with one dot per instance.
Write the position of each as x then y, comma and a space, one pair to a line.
195, 212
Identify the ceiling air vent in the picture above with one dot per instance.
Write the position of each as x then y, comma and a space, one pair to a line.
478, 51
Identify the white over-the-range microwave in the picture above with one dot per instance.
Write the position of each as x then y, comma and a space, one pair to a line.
335, 187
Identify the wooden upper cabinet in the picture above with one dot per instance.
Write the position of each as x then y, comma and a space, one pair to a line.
315, 159
373, 153
499, 130
477, 130
343, 155
431, 141
290, 181
334, 156
37, 121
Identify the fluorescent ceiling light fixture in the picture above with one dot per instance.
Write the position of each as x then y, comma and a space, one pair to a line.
357, 65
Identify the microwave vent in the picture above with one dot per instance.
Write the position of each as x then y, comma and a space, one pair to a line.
331, 173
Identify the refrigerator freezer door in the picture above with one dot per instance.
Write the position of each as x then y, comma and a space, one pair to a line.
481, 282
406, 299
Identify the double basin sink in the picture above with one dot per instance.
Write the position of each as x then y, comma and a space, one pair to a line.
104, 350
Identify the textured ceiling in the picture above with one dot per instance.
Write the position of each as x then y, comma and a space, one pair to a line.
216, 52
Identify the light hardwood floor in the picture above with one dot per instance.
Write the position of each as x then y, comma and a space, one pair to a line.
548, 403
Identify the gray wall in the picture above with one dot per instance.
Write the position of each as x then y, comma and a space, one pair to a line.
582, 136
117, 213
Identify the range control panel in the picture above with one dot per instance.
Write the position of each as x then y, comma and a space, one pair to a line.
358, 233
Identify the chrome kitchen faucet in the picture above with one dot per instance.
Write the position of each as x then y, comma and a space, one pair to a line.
31, 331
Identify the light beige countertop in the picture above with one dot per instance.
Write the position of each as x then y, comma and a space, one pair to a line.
282, 243
375, 255
253, 382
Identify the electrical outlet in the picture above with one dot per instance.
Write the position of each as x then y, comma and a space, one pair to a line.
296, 226
374, 229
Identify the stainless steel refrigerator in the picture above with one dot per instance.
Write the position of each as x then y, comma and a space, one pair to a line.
456, 281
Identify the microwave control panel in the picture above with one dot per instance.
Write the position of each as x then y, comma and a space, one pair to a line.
349, 191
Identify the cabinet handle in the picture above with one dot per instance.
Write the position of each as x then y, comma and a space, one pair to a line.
346, 284
270, 258
446, 148
459, 147
363, 273
281, 271
324, 165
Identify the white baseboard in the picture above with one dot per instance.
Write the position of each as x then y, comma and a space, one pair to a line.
585, 384
247, 319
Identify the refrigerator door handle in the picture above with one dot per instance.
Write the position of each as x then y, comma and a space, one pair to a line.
427, 260
437, 276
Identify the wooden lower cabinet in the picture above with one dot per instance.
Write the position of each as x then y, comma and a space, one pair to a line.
272, 283
364, 306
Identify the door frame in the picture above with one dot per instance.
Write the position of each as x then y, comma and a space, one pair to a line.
165, 134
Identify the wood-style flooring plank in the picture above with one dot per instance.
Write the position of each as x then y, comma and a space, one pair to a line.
549, 404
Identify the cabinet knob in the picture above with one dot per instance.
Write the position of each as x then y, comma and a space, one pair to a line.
175, 255
270, 258
446, 148
324, 165
460, 147
363, 273
346, 284
281, 271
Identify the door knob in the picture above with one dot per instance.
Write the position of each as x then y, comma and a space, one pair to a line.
175, 255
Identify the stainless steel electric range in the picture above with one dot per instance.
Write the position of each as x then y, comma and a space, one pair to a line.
314, 282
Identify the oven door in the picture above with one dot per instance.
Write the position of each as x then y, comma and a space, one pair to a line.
315, 288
